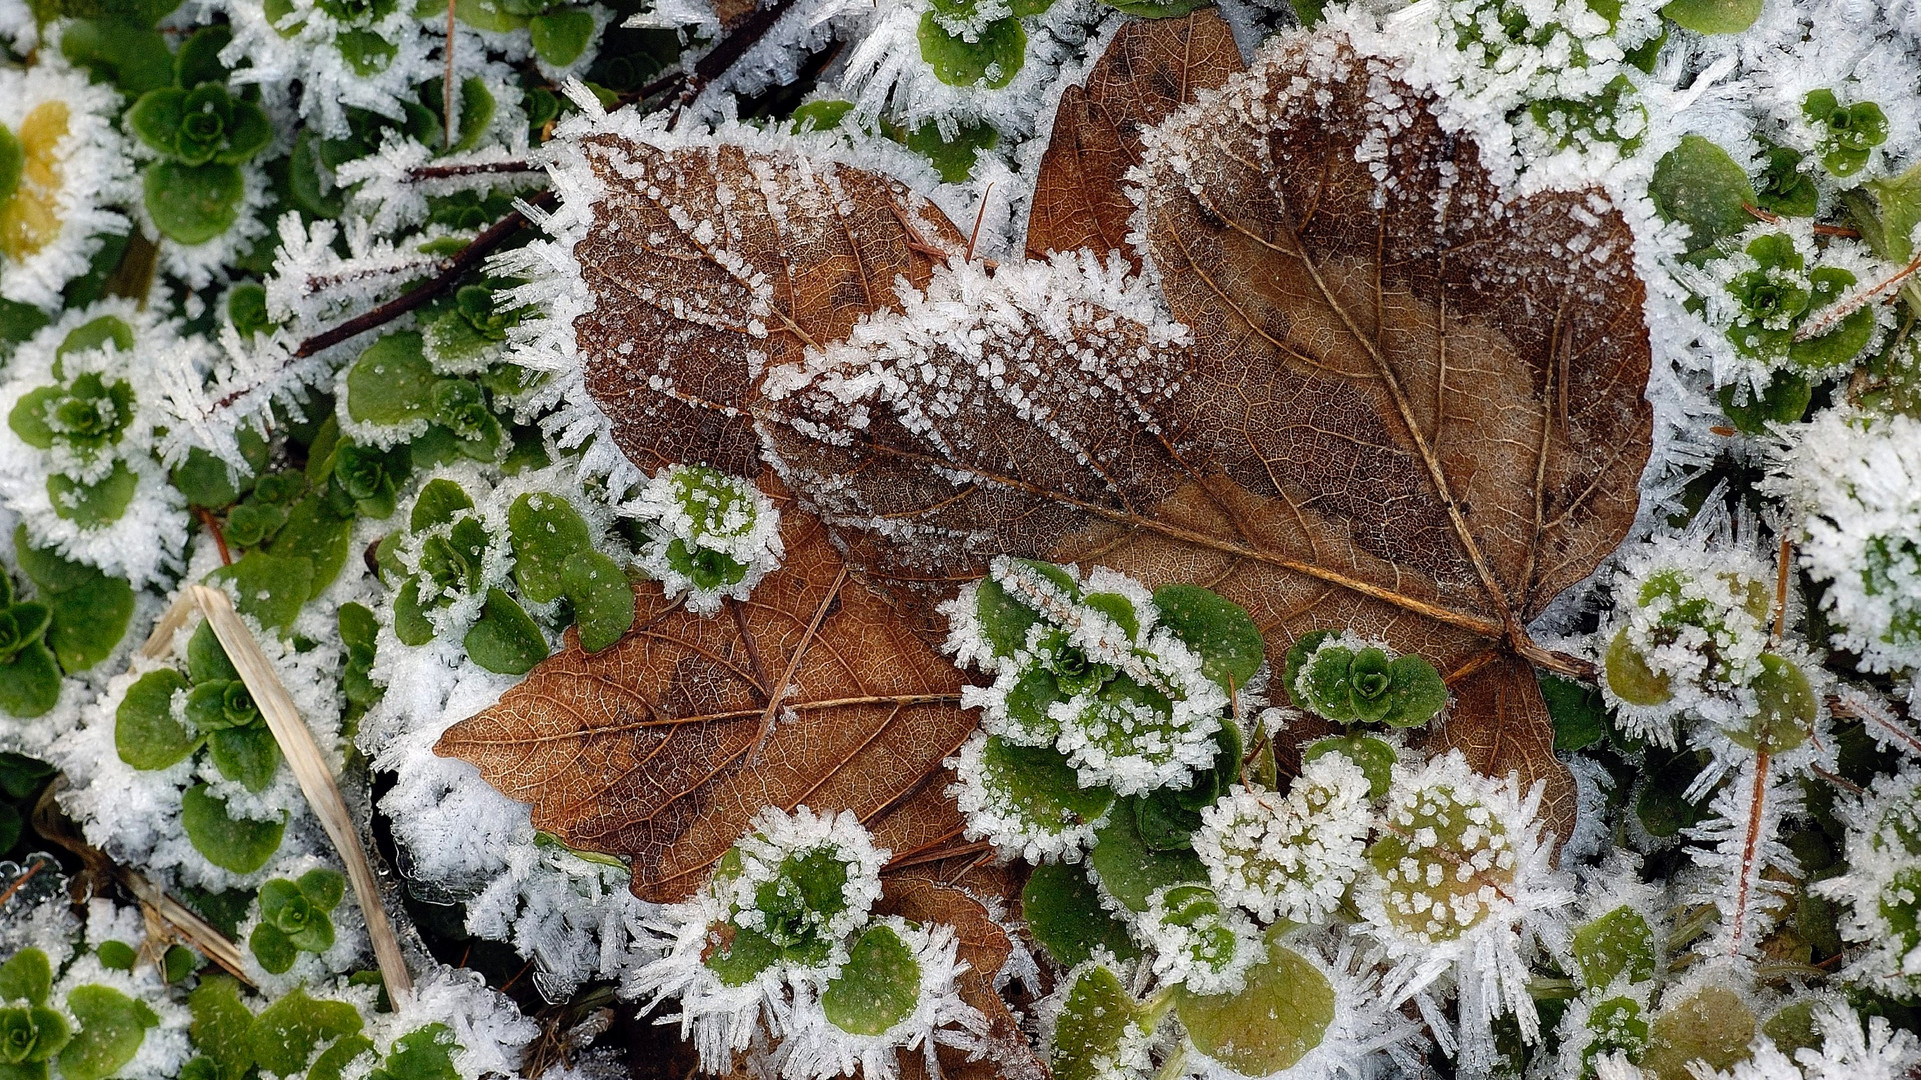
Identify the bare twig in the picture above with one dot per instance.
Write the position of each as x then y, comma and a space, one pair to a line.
483, 168
456, 265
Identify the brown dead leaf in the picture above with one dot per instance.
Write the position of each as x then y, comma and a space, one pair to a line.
1153, 67
1412, 404
708, 264
665, 746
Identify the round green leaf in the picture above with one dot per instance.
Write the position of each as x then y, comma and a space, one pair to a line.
30, 682
323, 887
877, 988
28, 418
155, 118
1619, 941
270, 588
1128, 869
285, 1035
1217, 628
1064, 913
545, 531
112, 1027
561, 36
144, 730
602, 598
1282, 1012
1096, 1016
116, 955
272, 948
92, 506
1713, 1026
246, 755
504, 639
991, 61
1699, 185
317, 535
26, 976
391, 382
192, 204
1037, 782
221, 1021
1415, 691
242, 845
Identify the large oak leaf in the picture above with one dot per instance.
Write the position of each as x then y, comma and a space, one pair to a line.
667, 745
708, 263
1411, 404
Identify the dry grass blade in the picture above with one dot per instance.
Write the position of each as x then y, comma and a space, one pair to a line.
316, 779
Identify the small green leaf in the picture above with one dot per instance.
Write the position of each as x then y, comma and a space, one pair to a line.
285, 1035
1415, 691
545, 531
1629, 676
30, 681
561, 36
1714, 16
391, 382
1281, 1014
1699, 185
411, 624
333, 1061
1037, 783
192, 204
1324, 686
992, 60
601, 596
1064, 913
155, 118
198, 60
1097, 1015
1217, 628
242, 845
112, 1027
504, 639
317, 535
96, 504
423, 1054
1785, 400
272, 948
877, 987
1578, 712
323, 887
1128, 869
26, 976
221, 1022
28, 418
144, 731
134, 58
1376, 758
1618, 942
824, 115
952, 157
178, 962
487, 15
1712, 1026
116, 955
246, 755
269, 588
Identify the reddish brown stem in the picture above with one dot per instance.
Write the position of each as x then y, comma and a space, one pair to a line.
219, 538
1750, 848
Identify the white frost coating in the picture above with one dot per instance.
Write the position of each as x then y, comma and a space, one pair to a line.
1485, 935
392, 185
706, 521
146, 541
1199, 942
204, 264
995, 813
305, 49
1107, 716
1883, 845
93, 173
1854, 482
1845, 1050
720, 1018
1290, 856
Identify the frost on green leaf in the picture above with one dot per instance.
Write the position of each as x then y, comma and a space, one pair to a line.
242, 845
111, 1028
505, 639
989, 56
145, 731
601, 596
545, 531
1615, 944
877, 987
422, 1054
269, 588
1027, 799
1099, 1029
1347, 679
1713, 1025
1847, 134
295, 917
1714, 16
1129, 870
1281, 1013
90, 610
26, 976
1700, 186
221, 1022
285, 1035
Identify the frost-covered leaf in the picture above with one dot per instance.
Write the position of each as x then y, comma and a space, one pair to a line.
1412, 405
1153, 68
112, 1027
667, 745
241, 845
710, 264
1064, 914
